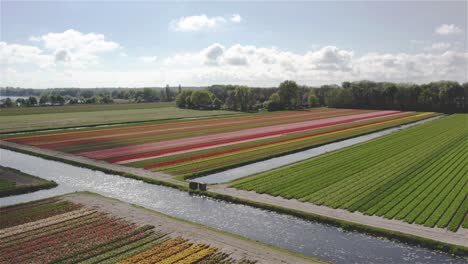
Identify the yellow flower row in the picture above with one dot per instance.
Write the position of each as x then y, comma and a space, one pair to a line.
197, 256
165, 254
183, 254
159, 248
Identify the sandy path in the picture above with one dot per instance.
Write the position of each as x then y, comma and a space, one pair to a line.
438, 234
235, 247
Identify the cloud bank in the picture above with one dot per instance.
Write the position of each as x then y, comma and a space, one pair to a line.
73, 58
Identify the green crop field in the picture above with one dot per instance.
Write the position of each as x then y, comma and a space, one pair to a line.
33, 118
418, 175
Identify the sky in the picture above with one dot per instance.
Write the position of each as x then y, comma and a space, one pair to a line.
138, 44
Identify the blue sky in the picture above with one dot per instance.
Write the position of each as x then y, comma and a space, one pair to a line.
88, 44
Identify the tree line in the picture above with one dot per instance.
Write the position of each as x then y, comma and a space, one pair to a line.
441, 96
61, 96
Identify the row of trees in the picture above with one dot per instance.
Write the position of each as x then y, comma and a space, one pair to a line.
442, 96
242, 98
61, 96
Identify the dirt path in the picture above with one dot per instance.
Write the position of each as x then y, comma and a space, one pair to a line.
438, 234
235, 247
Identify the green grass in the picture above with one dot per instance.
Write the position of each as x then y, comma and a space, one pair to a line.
417, 175
37, 118
13, 182
80, 108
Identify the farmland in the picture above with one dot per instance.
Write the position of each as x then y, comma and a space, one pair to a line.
190, 148
51, 117
417, 175
16, 182
80, 228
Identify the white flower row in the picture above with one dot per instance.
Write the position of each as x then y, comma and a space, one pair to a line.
44, 222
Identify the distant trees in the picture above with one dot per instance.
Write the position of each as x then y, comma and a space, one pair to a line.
32, 101
288, 92
198, 99
9, 102
312, 100
202, 99
240, 99
183, 99
442, 96
273, 103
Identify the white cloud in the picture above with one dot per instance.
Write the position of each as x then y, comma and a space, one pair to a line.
75, 49
197, 23
74, 40
11, 54
149, 59
202, 22
448, 29
239, 64
236, 18
439, 46
253, 65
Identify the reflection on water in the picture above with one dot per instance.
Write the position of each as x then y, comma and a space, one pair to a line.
266, 165
312, 239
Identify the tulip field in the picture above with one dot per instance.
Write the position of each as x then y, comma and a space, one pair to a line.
55, 231
189, 148
418, 175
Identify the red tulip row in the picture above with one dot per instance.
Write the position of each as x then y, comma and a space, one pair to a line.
171, 146
61, 136
194, 126
212, 154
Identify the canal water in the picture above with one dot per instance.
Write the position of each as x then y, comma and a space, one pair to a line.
310, 238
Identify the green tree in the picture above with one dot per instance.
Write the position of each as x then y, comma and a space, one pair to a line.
243, 96
31, 101
273, 103
201, 99
312, 100
9, 102
288, 93
183, 99
60, 100
44, 99
149, 95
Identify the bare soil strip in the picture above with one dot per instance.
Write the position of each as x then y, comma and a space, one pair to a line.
459, 238
235, 247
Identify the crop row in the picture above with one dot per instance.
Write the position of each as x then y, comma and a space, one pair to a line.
81, 235
417, 175
278, 147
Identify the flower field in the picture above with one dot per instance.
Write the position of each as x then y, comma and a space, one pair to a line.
196, 147
417, 175
56, 231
